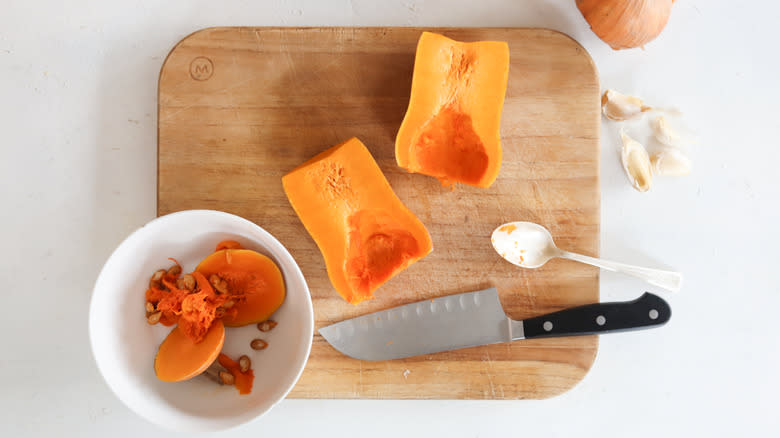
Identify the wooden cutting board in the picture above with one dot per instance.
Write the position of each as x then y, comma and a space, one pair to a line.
240, 107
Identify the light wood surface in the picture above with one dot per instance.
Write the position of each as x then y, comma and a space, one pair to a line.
240, 107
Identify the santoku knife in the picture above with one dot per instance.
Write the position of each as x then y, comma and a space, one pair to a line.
477, 318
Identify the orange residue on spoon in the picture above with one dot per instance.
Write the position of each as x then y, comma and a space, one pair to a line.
508, 228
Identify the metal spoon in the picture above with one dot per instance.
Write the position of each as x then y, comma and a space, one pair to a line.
530, 245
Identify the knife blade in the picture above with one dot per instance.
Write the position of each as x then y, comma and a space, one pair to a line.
477, 318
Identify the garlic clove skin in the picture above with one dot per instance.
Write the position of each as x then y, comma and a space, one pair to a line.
671, 162
621, 107
636, 163
665, 133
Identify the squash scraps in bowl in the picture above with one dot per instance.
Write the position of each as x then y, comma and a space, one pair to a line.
231, 287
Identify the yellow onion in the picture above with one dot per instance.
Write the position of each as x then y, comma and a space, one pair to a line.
625, 24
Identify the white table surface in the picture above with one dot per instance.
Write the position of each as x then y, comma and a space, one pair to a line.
78, 83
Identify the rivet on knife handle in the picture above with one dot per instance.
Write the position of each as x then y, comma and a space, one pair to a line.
645, 312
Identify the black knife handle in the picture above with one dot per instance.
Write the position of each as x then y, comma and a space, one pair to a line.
646, 311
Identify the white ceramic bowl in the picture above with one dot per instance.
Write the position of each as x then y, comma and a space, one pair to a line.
124, 345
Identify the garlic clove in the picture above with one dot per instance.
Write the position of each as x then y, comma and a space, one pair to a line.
665, 133
671, 162
636, 163
621, 107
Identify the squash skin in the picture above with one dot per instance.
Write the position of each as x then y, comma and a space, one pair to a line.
451, 130
365, 233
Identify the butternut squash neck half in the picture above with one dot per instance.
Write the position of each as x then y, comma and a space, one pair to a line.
451, 130
366, 235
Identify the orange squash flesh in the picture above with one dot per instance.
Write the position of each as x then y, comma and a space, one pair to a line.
179, 358
452, 127
199, 309
365, 233
254, 281
228, 244
243, 380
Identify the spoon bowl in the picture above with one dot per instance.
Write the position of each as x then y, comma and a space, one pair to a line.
531, 245
524, 244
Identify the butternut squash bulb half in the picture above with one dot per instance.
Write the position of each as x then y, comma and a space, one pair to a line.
451, 130
365, 233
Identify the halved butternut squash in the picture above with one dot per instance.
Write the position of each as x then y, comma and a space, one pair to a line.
365, 233
179, 358
253, 281
452, 127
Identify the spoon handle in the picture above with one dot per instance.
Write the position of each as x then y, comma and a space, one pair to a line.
666, 279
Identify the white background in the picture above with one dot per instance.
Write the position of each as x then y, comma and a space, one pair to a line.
78, 85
